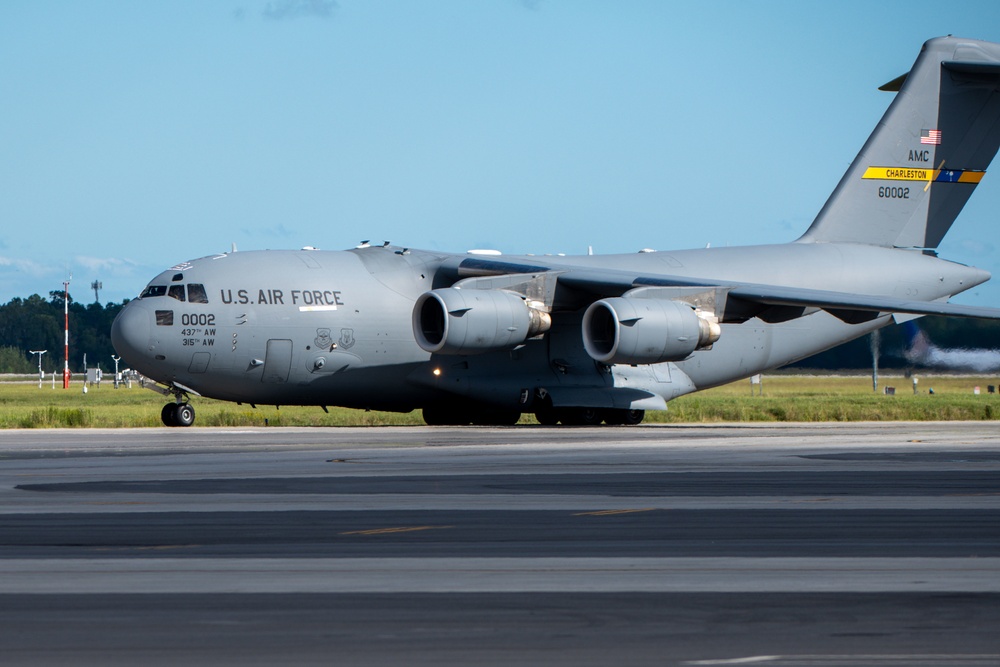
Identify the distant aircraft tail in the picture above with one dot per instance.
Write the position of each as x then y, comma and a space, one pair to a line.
927, 154
919, 350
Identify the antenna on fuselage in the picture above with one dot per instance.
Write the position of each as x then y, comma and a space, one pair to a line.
234, 247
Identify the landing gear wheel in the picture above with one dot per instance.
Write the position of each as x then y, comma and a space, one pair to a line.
443, 417
624, 417
495, 417
547, 417
184, 414
463, 415
167, 414
177, 414
545, 413
580, 416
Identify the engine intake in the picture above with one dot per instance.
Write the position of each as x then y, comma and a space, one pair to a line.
645, 331
471, 321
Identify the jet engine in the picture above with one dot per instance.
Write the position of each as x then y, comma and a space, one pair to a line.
645, 331
472, 321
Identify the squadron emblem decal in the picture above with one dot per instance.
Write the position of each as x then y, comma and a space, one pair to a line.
346, 338
323, 339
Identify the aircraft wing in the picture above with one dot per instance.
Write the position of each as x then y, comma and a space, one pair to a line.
841, 301
742, 300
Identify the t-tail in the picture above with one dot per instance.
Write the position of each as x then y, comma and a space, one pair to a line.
927, 154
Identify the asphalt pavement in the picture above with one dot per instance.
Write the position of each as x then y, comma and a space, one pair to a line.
793, 544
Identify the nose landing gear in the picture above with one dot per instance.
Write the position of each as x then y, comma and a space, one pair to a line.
180, 412
177, 414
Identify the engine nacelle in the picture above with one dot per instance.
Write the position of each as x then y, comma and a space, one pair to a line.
472, 321
644, 331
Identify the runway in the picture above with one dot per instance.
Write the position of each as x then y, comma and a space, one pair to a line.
792, 544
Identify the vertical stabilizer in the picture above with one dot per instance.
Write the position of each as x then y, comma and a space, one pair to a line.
927, 154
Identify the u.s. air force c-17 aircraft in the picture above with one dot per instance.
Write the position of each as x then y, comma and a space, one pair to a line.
479, 338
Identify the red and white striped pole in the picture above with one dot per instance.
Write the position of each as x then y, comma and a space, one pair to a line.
66, 333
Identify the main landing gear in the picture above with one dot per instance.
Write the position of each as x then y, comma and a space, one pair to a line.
177, 414
546, 416
463, 416
549, 416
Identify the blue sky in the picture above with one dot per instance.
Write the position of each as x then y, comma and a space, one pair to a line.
135, 135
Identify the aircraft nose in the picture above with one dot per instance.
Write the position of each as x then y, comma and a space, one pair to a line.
130, 333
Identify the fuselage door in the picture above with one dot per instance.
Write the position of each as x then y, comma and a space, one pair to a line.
277, 361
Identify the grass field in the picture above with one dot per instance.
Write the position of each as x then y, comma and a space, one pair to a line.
785, 398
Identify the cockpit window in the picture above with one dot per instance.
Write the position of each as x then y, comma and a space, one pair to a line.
164, 318
197, 294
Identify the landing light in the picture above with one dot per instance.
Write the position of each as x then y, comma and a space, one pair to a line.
436, 372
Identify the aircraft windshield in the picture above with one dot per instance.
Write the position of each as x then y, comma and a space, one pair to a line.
195, 292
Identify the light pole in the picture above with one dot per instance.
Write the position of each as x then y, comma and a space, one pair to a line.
40, 374
66, 333
117, 359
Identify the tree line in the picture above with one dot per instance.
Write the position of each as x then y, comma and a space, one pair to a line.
35, 323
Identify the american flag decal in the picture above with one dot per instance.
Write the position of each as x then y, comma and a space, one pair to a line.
930, 137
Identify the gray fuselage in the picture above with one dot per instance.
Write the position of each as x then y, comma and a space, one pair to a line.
334, 327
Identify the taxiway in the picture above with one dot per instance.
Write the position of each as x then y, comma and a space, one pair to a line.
829, 544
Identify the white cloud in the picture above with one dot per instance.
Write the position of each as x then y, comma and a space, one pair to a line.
27, 266
114, 266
